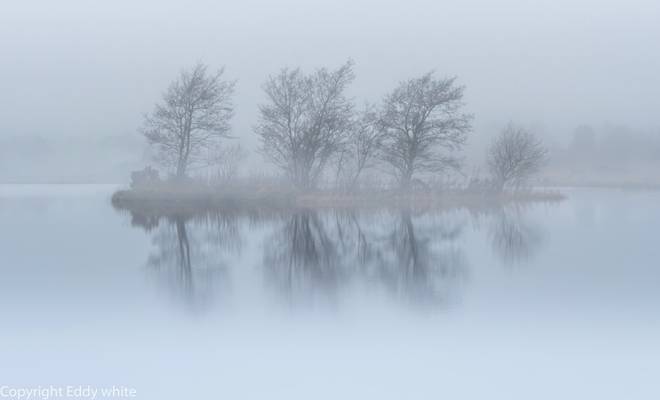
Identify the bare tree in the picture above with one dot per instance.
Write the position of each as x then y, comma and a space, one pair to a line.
514, 156
360, 149
423, 124
186, 127
305, 120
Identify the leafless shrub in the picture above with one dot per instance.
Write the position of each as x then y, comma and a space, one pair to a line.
514, 156
145, 178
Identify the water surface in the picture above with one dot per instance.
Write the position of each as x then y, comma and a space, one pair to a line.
542, 301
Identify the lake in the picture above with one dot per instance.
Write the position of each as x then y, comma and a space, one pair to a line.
542, 301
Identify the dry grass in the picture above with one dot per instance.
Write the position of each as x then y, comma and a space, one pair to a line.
268, 198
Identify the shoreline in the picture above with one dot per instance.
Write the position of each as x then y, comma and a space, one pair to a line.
157, 202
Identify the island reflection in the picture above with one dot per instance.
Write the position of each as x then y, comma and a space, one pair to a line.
308, 257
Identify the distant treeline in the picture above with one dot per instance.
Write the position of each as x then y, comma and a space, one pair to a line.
56, 158
610, 155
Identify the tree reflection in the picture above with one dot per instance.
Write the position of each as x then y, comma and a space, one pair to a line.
421, 262
320, 254
514, 239
309, 256
189, 256
302, 257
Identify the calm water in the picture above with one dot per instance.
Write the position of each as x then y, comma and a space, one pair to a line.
545, 302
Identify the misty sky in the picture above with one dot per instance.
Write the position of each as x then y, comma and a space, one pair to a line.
88, 68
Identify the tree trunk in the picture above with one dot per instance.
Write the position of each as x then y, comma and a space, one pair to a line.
406, 181
180, 170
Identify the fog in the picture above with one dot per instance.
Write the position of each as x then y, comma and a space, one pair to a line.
77, 76
330, 199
